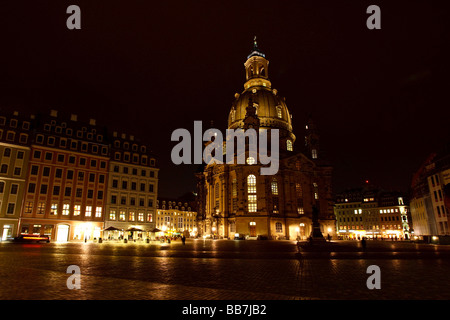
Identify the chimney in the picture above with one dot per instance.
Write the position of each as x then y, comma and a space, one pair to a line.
114, 134
16, 113
132, 138
124, 136
92, 122
73, 117
54, 113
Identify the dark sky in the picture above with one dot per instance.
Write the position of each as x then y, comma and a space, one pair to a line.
379, 97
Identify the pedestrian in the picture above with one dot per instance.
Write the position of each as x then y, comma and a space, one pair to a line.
183, 239
363, 243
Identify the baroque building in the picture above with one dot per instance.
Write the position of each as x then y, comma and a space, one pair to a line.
176, 217
430, 199
66, 179
15, 133
235, 200
372, 213
132, 187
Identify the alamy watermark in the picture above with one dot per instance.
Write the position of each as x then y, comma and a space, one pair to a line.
219, 151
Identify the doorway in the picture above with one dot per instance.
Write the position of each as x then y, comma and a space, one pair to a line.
62, 233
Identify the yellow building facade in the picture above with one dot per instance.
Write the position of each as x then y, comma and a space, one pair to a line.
236, 201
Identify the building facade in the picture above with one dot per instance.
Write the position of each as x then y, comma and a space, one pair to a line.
176, 217
235, 200
132, 187
66, 179
372, 213
430, 196
56, 178
15, 134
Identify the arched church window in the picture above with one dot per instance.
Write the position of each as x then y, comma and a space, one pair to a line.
274, 187
289, 145
251, 190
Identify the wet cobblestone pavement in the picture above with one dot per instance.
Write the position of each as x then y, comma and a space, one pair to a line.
224, 270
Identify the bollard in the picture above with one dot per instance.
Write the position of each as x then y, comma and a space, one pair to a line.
125, 240
100, 240
147, 240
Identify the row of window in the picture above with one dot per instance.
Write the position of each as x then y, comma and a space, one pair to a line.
126, 146
13, 123
69, 131
11, 136
134, 171
66, 210
132, 201
4, 170
69, 174
67, 191
436, 195
441, 211
73, 144
37, 154
121, 215
7, 153
14, 188
372, 227
133, 185
351, 219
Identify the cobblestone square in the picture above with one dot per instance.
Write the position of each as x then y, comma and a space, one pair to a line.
224, 270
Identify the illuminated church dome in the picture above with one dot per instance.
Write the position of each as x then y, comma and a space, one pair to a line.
270, 107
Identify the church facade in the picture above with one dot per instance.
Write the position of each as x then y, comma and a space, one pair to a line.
236, 201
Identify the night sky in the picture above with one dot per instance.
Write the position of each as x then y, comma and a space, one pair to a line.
379, 97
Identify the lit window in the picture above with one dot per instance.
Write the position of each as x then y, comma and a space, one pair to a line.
41, 208
76, 210
29, 207
274, 187
66, 209
141, 216
88, 211
289, 145
131, 215
278, 227
298, 190
279, 114
112, 215
251, 184
314, 153
98, 212
251, 189
300, 210
54, 209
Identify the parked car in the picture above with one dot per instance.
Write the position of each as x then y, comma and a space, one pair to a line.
239, 236
32, 238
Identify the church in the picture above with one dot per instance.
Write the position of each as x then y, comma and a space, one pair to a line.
236, 201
